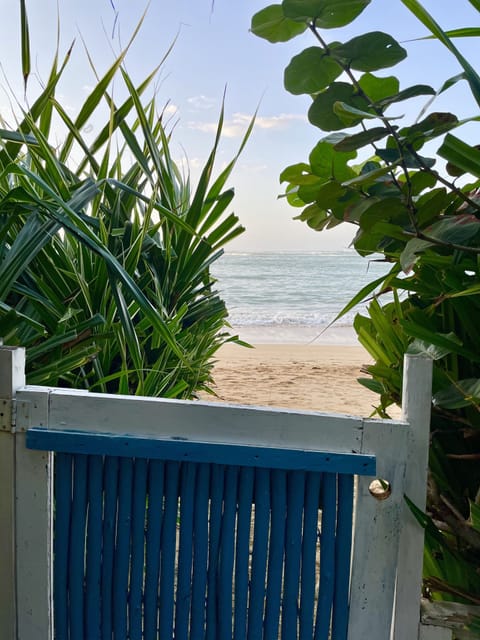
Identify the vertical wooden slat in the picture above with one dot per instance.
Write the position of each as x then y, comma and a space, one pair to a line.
259, 555
122, 549
77, 548
185, 551
63, 503
276, 553
343, 548
327, 556
227, 546
242, 556
135, 610
153, 545
200, 551
94, 547
309, 549
216, 506
293, 546
168, 554
109, 532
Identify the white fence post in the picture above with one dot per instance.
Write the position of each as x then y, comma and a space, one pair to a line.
25, 508
416, 405
34, 522
12, 362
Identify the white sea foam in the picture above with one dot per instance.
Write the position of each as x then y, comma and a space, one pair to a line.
292, 297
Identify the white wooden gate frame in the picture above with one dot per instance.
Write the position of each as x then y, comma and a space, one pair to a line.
386, 561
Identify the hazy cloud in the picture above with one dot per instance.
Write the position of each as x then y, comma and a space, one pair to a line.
170, 110
201, 102
253, 167
236, 126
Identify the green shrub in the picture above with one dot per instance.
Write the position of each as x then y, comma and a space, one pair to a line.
424, 222
105, 248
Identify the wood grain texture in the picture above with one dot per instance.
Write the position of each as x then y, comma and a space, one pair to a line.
416, 406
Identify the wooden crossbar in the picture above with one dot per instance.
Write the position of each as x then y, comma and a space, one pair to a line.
161, 449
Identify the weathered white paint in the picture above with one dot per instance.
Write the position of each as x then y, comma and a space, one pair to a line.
210, 422
7, 535
12, 364
34, 527
416, 405
434, 633
377, 526
452, 615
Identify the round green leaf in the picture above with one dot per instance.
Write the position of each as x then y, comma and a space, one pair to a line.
308, 192
293, 171
327, 14
391, 210
378, 88
272, 25
310, 71
370, 51
419, 181
358, 140
329, 164
322, 114
406, 94
313, 215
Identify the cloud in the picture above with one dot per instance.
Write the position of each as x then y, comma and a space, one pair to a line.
201, 102
253, 167
170, 109
236, 126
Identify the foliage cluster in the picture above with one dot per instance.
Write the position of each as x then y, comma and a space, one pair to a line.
425, 222
105, 248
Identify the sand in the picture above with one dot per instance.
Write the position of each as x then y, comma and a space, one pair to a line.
297, 376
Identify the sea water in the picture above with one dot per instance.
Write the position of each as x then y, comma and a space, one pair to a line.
294, 297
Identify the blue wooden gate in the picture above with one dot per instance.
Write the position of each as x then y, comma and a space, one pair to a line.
159, 519
189, 540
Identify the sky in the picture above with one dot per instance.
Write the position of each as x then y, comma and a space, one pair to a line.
214, 50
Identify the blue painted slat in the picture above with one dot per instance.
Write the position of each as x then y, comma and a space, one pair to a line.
293, 545
309, 549
138, 549
200, 552
153, 545
110, 483
242, 555
185, 551
342, 557
227, 547
216, 506
77, 548
242, 455
168, 554
122, 549
327, 557
63, 503
259, 555
276, 553
94, 547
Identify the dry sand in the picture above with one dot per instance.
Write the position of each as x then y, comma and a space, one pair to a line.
298, 376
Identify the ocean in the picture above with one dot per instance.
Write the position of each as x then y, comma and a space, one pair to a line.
293, 297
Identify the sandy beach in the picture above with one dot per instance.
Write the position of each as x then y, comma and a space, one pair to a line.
298, 376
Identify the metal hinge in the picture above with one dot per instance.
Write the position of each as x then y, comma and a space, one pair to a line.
8, 415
